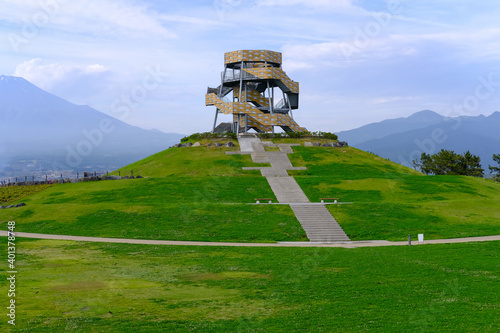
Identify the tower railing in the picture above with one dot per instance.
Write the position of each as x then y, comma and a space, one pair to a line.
281, 104
238, 75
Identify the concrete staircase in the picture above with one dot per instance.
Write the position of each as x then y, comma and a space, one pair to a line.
319, 224
316, 220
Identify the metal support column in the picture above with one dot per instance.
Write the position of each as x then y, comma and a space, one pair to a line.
269, 98
272, 96
215, 120
238, 120
241, 81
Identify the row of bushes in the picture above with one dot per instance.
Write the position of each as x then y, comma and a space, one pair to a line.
230, 135
325, 135
209, 135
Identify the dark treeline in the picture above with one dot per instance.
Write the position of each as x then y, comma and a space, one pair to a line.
447, 162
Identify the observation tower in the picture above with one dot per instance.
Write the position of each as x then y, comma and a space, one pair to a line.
248, 92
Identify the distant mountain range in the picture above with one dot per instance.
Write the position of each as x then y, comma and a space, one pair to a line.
40, 132
404, 139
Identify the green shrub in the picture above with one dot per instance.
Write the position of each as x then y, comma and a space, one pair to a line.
297, 135
208, 135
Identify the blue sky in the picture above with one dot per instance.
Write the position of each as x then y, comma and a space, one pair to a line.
148, 63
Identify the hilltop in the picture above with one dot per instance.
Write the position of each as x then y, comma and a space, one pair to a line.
200, 193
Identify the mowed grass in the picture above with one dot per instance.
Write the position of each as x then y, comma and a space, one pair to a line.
9, 194
390, 201
93, 287
191, 161
171, 208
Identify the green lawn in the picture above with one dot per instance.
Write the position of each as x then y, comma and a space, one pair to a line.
172, 208
11, 194
93, 287
192, 161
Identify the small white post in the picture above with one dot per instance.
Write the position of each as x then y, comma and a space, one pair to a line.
420, 238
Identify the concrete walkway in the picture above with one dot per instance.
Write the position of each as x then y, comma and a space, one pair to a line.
316, 220
287, 190
245, 141
283, 244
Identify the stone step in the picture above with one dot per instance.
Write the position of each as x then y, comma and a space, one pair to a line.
315, 222
323, 236
331, 232
319, 227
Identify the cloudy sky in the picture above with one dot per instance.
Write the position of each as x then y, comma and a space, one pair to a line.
149, 62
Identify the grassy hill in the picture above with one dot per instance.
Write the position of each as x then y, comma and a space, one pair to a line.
197, 193
200, 193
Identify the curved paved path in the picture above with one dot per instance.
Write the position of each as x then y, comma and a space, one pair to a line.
282, 244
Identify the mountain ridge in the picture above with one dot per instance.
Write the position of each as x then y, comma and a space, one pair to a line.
404, 139
58, 135
386, 127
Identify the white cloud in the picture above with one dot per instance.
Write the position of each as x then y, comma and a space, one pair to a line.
76, 83
311, 55
319, 4
392, 99
46, 76
96, 17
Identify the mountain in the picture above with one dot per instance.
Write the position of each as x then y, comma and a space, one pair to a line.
384, 128
403, 140
42, 132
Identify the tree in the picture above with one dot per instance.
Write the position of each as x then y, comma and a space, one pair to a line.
494, 169
447, 162
470, 165
425, 164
